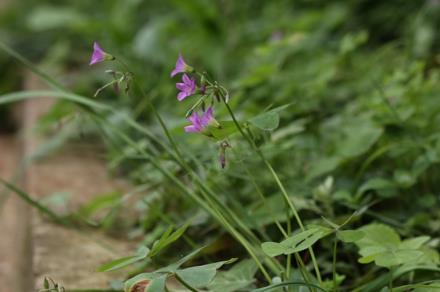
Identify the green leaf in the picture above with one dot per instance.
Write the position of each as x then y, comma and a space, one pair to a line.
296, 243
323, 166
225, 129
123, 262
201, 276
383, 187
378, 235
157, 284
414, 243
350, 235
167, 238
358, 139
174, 266
239, 277
304, 239
130, 283
273, 249
269, 120
382, 245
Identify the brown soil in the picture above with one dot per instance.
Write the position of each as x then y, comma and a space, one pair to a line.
31, 246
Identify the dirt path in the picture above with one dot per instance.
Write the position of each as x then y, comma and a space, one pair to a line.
15, 241
31, 246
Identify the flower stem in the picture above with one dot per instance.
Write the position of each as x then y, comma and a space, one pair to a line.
278, 181
335, 245
210, 196
215, 213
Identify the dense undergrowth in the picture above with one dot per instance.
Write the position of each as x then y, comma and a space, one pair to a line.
328, 118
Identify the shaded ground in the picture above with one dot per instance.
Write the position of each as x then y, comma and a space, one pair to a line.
15, 242
32, 247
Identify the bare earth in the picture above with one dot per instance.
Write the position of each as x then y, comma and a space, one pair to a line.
32, 247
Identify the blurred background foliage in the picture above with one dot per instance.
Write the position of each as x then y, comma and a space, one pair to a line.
361, 77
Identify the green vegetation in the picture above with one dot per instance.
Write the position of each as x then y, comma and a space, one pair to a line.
329, 119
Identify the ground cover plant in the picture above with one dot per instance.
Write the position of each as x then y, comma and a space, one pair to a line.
277, 146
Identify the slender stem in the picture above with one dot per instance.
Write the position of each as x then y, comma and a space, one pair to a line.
213, 211
261, 195
335, 283
278, 181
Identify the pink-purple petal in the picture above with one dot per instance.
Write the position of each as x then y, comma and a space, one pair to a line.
191, 129
182, 95
186, 79
207, 116
98, 54
180, 66
181, 86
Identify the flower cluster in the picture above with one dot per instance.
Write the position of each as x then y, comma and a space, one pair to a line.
188, 87
203, 122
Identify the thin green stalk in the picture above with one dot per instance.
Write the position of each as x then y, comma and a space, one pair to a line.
278, 181
43, 209
212, 211
260, 194
183, 163
52, 82
335, 246
179, 157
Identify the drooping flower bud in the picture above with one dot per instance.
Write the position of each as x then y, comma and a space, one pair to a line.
99, 55
181, 67
222, 156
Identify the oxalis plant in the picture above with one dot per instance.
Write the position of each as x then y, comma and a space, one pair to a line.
282, 261
281, 264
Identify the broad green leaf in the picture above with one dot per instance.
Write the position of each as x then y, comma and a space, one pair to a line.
358, 139
350, 235
368, 259
378, 234
414, 243
157, 284
273, 249
123, 262
304, 239
130, 283
383, 187
372, 250
201, 276
389, 259
239, 277
174, 266
225, 129
295, 243
323, 166
269, 120
382, 245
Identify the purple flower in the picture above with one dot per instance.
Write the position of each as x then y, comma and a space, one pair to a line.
187, 88
99, 55
200, 122
181, 67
